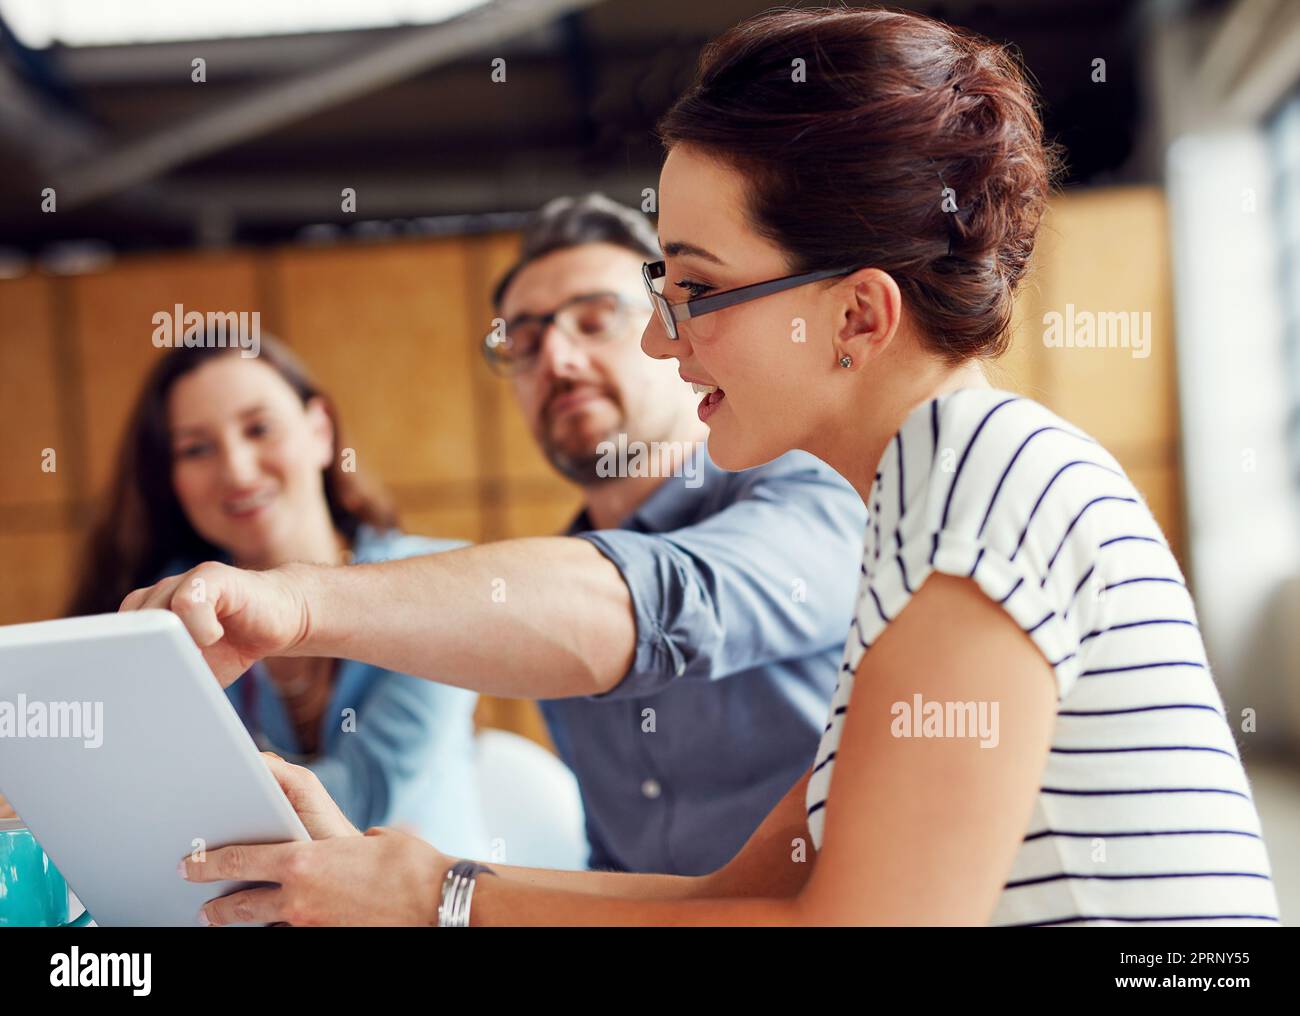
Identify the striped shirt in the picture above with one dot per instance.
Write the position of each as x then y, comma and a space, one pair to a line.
1144, 814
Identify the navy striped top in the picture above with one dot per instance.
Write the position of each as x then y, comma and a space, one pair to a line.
1144, 814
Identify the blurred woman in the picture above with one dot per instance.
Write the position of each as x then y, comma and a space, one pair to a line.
240, 459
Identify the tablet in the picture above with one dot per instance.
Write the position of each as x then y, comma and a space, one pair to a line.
122, 754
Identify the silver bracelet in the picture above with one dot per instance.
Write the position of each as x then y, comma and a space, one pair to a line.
458, 891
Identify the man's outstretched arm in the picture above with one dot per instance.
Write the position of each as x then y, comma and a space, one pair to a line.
546, 617
555, 617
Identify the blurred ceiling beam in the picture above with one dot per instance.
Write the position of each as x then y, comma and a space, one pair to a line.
1272, 71
305, 197
52, 136
274, 106
1235, 39
246, 58
1213, 70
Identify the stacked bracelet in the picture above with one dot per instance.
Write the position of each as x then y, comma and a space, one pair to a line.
458, 891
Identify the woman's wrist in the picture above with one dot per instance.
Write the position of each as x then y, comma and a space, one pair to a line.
459, 881
431, 902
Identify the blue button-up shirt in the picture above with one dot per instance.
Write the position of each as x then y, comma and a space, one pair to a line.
743, 590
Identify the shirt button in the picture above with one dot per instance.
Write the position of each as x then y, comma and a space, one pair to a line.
651, 789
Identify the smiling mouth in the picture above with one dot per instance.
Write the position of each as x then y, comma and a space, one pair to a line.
713, 396
248, 505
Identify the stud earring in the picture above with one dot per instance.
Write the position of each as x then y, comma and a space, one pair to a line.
846, 361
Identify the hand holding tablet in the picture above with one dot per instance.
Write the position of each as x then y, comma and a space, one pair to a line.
122, 756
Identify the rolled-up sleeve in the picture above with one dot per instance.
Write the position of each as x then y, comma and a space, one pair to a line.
762, 580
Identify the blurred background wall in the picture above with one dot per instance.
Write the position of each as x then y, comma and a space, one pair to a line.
203, 155
391, 329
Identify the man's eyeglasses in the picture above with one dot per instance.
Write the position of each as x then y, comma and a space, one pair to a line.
589, 319
671, 313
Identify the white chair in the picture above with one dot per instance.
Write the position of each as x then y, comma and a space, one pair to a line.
531, 806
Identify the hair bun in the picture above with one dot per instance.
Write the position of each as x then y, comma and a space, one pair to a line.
928, 137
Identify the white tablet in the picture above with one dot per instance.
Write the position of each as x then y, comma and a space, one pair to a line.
122, 754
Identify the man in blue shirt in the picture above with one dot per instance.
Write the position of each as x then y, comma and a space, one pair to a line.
739, 581
737, 588
685, 636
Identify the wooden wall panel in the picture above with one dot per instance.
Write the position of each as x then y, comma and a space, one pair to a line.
464, 523
1020, 368
112, 315
37, 570
385, 328
30, 410
1161, 487
542, 516
1107, 252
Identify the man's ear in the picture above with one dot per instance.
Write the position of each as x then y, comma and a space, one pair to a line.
867, 315
321, 427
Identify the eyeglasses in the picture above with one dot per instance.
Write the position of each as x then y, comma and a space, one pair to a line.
671, 313
588, 319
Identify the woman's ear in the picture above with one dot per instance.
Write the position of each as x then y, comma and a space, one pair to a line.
321, 427
867, 315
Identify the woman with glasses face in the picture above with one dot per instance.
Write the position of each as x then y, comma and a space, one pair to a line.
1025, 730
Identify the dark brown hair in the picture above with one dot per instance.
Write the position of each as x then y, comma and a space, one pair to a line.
143, 528
850, 166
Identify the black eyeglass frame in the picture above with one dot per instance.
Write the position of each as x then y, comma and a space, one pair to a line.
492, 342
670, 313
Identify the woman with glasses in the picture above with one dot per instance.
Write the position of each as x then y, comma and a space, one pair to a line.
1025, 730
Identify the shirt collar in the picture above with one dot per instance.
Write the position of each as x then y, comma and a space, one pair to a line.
673, 503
